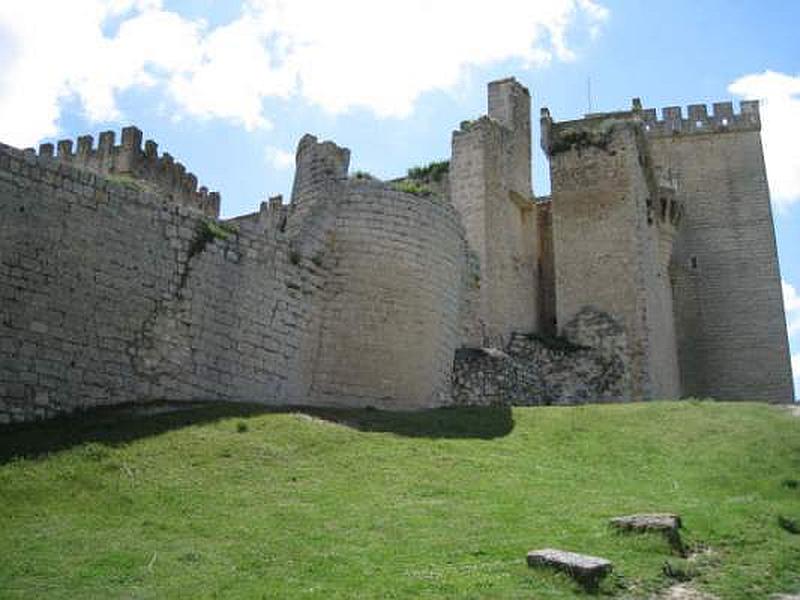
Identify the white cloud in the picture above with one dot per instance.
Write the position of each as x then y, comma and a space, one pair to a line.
279, 158
353, 53
791, 304
383, 55
796, 374
780, 116
45, 65
791, 299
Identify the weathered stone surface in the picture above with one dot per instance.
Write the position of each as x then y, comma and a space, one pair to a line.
729, 320
648, 522
127, 294
490, 187
537, 370
662, 209
119, 284
666, 524
587, 570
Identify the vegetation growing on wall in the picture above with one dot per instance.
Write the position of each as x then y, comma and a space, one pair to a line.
587, 134
411, 186
434, 171
126, 181
209, 230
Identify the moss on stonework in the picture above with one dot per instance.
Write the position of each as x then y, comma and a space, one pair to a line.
410, 186
207, 231
585, 135
126, 181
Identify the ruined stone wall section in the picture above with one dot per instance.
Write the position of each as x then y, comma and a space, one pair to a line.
159, 174
731, 328
490, 185
320, 169
599, 211
509, 104
469, 194
391, 314
535, 370
110, 294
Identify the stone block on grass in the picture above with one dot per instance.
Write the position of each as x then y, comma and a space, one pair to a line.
667, 524
586, 570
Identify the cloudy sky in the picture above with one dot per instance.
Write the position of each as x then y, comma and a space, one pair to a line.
228, 87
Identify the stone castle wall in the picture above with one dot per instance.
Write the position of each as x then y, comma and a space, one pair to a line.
490, 186
606, 241
129, 159
596, 230
535, 370
731, 327
392, 302
654, 260
113, 292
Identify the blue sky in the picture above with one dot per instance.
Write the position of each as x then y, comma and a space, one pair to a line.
228, 88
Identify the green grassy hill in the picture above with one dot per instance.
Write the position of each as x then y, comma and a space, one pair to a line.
232, 502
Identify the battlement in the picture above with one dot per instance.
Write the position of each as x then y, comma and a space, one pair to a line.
130, 159
698, 120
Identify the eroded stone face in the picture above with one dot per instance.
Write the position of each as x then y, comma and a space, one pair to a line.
587, 570
648, 522
537, 370
666, 524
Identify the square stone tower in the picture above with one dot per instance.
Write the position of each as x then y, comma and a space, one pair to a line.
490, 185
666, 226
730, 322
613, 221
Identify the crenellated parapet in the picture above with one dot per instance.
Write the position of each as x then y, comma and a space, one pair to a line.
698, 120
130, 159
274, 213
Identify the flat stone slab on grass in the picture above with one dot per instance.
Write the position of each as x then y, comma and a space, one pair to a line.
648, 522
665, 523
587, 570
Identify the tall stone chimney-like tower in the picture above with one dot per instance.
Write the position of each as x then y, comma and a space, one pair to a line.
490, 183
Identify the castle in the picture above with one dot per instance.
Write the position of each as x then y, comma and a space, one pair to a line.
649, 272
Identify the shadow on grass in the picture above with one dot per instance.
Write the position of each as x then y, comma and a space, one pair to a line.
462, 422
126, 423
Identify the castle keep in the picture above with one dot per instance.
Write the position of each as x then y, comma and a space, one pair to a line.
649, 272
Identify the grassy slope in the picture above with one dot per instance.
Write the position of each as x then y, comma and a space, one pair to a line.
442, 504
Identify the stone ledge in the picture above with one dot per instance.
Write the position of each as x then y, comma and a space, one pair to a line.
586, 570
666, 524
